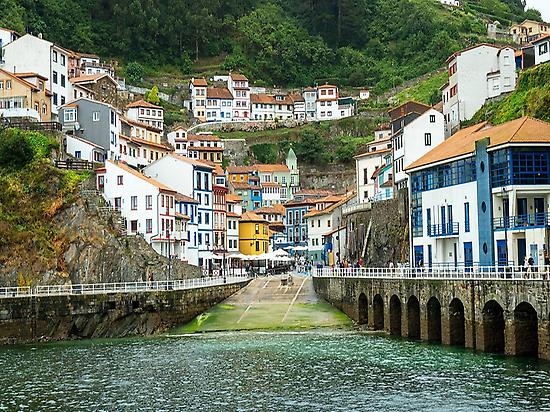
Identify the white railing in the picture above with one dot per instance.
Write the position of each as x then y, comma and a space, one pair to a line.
474, 273
126, 287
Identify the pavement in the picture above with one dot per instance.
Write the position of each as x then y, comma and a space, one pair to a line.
268, 304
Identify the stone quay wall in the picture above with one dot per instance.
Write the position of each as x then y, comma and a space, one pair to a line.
54, 318
500, 316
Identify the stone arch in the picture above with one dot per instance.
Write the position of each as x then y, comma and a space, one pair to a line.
413, 318
526, 328
378, 312
434, 320
457, 330
362, 309
395, 316
493, 327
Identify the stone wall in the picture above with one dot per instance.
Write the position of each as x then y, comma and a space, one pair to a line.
388, 238
236, 150
336, 177
53, 318
508, 316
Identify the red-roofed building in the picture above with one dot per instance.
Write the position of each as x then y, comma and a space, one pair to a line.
197, 92
239, 88
145, 112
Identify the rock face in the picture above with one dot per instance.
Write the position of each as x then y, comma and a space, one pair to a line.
388, 238
90, 248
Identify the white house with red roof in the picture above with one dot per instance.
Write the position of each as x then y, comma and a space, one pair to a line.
327, 102
145, 112
197, 92
147, 206
219, 104
476, 74
6, 37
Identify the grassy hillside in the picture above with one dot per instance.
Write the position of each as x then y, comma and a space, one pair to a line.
427, 91
531, 97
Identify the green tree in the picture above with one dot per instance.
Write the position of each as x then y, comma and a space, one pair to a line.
134, 72
186, 64
153, 96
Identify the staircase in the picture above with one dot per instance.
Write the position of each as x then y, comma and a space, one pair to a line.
97, 204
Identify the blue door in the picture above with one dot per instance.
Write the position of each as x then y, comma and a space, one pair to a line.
539, 211
418, 256
522, 251
502, 253
468, 255
429, 221
450, 219
429, 256
522, 212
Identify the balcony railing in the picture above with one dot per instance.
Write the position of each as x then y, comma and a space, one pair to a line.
533, 220
447, 229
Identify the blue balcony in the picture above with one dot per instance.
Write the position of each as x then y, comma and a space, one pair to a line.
447, 229
534, 220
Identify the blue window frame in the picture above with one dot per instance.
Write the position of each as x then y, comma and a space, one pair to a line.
454, 173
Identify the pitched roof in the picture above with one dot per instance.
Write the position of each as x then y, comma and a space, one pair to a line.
140, 124
218, 93
143, 103
266, 168
326, 86
141, 176
203, 137
238, 169
233, 198
20, 80
523, 130
263, 98
238, 77
475, 46
252, 217
190, 161
30, 74
92, 78
407, 108
343, 200
140, 141
271, 210
314, 192
185, 199
200, 82
373, 153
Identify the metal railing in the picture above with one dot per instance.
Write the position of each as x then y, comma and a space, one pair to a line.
71, 164
122, 287
521, 221
447, 229
39, 126
464, 273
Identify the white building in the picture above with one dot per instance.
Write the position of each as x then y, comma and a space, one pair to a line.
482, 197
239, 87
365, 165
326, 107
310, 99
219, 105
541, 48
452, 3
6, 37
178, 139
146, 205
364, 94
145, 112
414, 140
34, 54
81, 148
476, 74
193, 179
271, 107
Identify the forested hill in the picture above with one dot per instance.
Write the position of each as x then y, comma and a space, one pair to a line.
283, 42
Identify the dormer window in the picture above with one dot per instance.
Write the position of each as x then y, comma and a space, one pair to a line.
69, 115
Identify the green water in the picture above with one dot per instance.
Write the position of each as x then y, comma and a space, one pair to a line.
254, 371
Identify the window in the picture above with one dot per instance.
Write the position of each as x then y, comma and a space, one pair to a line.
54, 77
257, 246
119, 180
95, 116
148, 225
257, 229
133, 202
63, 61
133, 226
62, 80
69, 115
467, 217
78, 154
427, 139
62, 100
432, 118
54, 56
543, 48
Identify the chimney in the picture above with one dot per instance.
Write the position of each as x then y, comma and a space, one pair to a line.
39, 35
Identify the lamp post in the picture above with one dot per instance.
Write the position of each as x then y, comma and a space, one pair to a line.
169, 256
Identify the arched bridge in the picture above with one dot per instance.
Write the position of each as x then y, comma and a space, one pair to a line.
488, 311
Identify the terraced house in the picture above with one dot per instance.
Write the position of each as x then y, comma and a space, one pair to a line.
482, 197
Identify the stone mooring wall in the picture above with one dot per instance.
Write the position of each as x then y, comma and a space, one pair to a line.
503, 316
54, 318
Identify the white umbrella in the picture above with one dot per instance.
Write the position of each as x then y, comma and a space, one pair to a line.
280, 252
300, 248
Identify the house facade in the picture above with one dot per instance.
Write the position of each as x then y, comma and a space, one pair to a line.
326, 105
197, 92
37, 55
240, 90
482, 197
476, 74
528, 30
253, 234
146, 113
24, 96
219, 105
204, 147
101, 86
234, 212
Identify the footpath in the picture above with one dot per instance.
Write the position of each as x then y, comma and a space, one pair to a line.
267, 303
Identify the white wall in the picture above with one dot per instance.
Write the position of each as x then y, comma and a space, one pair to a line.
542, 56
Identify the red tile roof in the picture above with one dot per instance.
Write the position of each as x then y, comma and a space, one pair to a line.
143, 103
218, 93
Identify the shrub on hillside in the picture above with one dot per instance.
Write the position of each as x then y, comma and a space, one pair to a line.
15, 149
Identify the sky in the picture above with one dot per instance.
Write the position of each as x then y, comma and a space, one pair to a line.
541, 5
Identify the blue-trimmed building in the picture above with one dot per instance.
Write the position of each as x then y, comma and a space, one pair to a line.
482, 197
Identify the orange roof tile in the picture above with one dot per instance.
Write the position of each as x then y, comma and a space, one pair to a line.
233, 198
190, 161
523, 130
238, 77
218, 93
143, 103
266, 168
343, 200
203, 137
184, 198
252, 217
200, 82
91, 78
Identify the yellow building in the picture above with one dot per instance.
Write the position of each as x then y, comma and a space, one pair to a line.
253, 234
24, 96
528, 30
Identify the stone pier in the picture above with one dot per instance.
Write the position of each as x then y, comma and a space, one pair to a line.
500, 316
